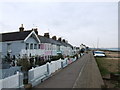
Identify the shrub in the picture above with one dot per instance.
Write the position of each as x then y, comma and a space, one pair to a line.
72, 56
39, 61
26, 66
76, 55
55, 58
24, 62
31, 60
7, 59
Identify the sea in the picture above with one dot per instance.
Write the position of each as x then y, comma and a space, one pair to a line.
111, 49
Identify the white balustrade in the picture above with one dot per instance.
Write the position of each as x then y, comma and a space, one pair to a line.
33, 52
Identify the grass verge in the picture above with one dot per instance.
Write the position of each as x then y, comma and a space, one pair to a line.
100, 62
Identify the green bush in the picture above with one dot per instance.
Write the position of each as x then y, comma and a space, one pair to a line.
24, 62
72, 56
54, 58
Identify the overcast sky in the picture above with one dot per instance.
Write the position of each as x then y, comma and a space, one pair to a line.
77, 22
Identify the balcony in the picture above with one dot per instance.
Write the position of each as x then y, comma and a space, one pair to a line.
33, 52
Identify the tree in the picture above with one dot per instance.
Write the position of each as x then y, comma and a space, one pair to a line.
82, 50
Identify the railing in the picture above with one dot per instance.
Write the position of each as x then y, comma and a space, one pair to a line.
32, 52
15, 81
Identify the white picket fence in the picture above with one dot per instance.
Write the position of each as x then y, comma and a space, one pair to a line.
14, 81
54, 65
35, 75
64, 62
39, 74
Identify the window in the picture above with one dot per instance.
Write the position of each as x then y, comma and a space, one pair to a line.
48, 47
42, 46
31, 46
39, 46
9, 47
27, 46
35, 46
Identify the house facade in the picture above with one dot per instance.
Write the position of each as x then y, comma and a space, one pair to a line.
31, 44
19, 43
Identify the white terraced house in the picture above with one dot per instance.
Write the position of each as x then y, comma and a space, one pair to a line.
28, 42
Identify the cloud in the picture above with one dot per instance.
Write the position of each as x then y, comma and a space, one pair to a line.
76, 21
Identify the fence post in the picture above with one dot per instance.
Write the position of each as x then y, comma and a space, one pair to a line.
48, 68
20, 75
1, 84
30, 75
61, 64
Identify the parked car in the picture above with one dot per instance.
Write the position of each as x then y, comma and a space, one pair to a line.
99, 53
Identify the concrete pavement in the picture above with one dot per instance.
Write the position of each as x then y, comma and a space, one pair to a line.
90, 77
82, 73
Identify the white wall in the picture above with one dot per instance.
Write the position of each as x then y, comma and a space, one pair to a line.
12, 81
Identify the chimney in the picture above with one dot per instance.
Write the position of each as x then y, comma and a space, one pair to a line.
46, 35
63, 40
36, 30
54, 38
59, 39
21, 29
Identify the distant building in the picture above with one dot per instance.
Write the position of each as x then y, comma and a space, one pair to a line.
83, 47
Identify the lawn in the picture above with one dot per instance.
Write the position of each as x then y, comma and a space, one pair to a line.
102, 66
107, 65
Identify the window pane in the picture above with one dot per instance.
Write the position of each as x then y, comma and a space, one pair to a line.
27, 46
39, 46
31, 46
9, 47
35, 46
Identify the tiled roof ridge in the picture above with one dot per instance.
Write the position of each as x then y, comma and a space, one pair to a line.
16, 32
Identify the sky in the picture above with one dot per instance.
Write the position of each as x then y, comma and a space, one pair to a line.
90, 23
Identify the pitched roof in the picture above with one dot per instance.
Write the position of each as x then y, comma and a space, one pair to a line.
56, 42
69, 45
14, 36
43, 39
48, 40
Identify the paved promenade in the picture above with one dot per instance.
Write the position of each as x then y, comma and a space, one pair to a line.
83, 73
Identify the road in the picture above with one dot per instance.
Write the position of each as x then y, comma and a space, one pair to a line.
79, 74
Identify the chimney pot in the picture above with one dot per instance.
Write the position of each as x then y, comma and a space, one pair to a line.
54, 38
36, 30
63, 40
46, 35
59, 39
21, 29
